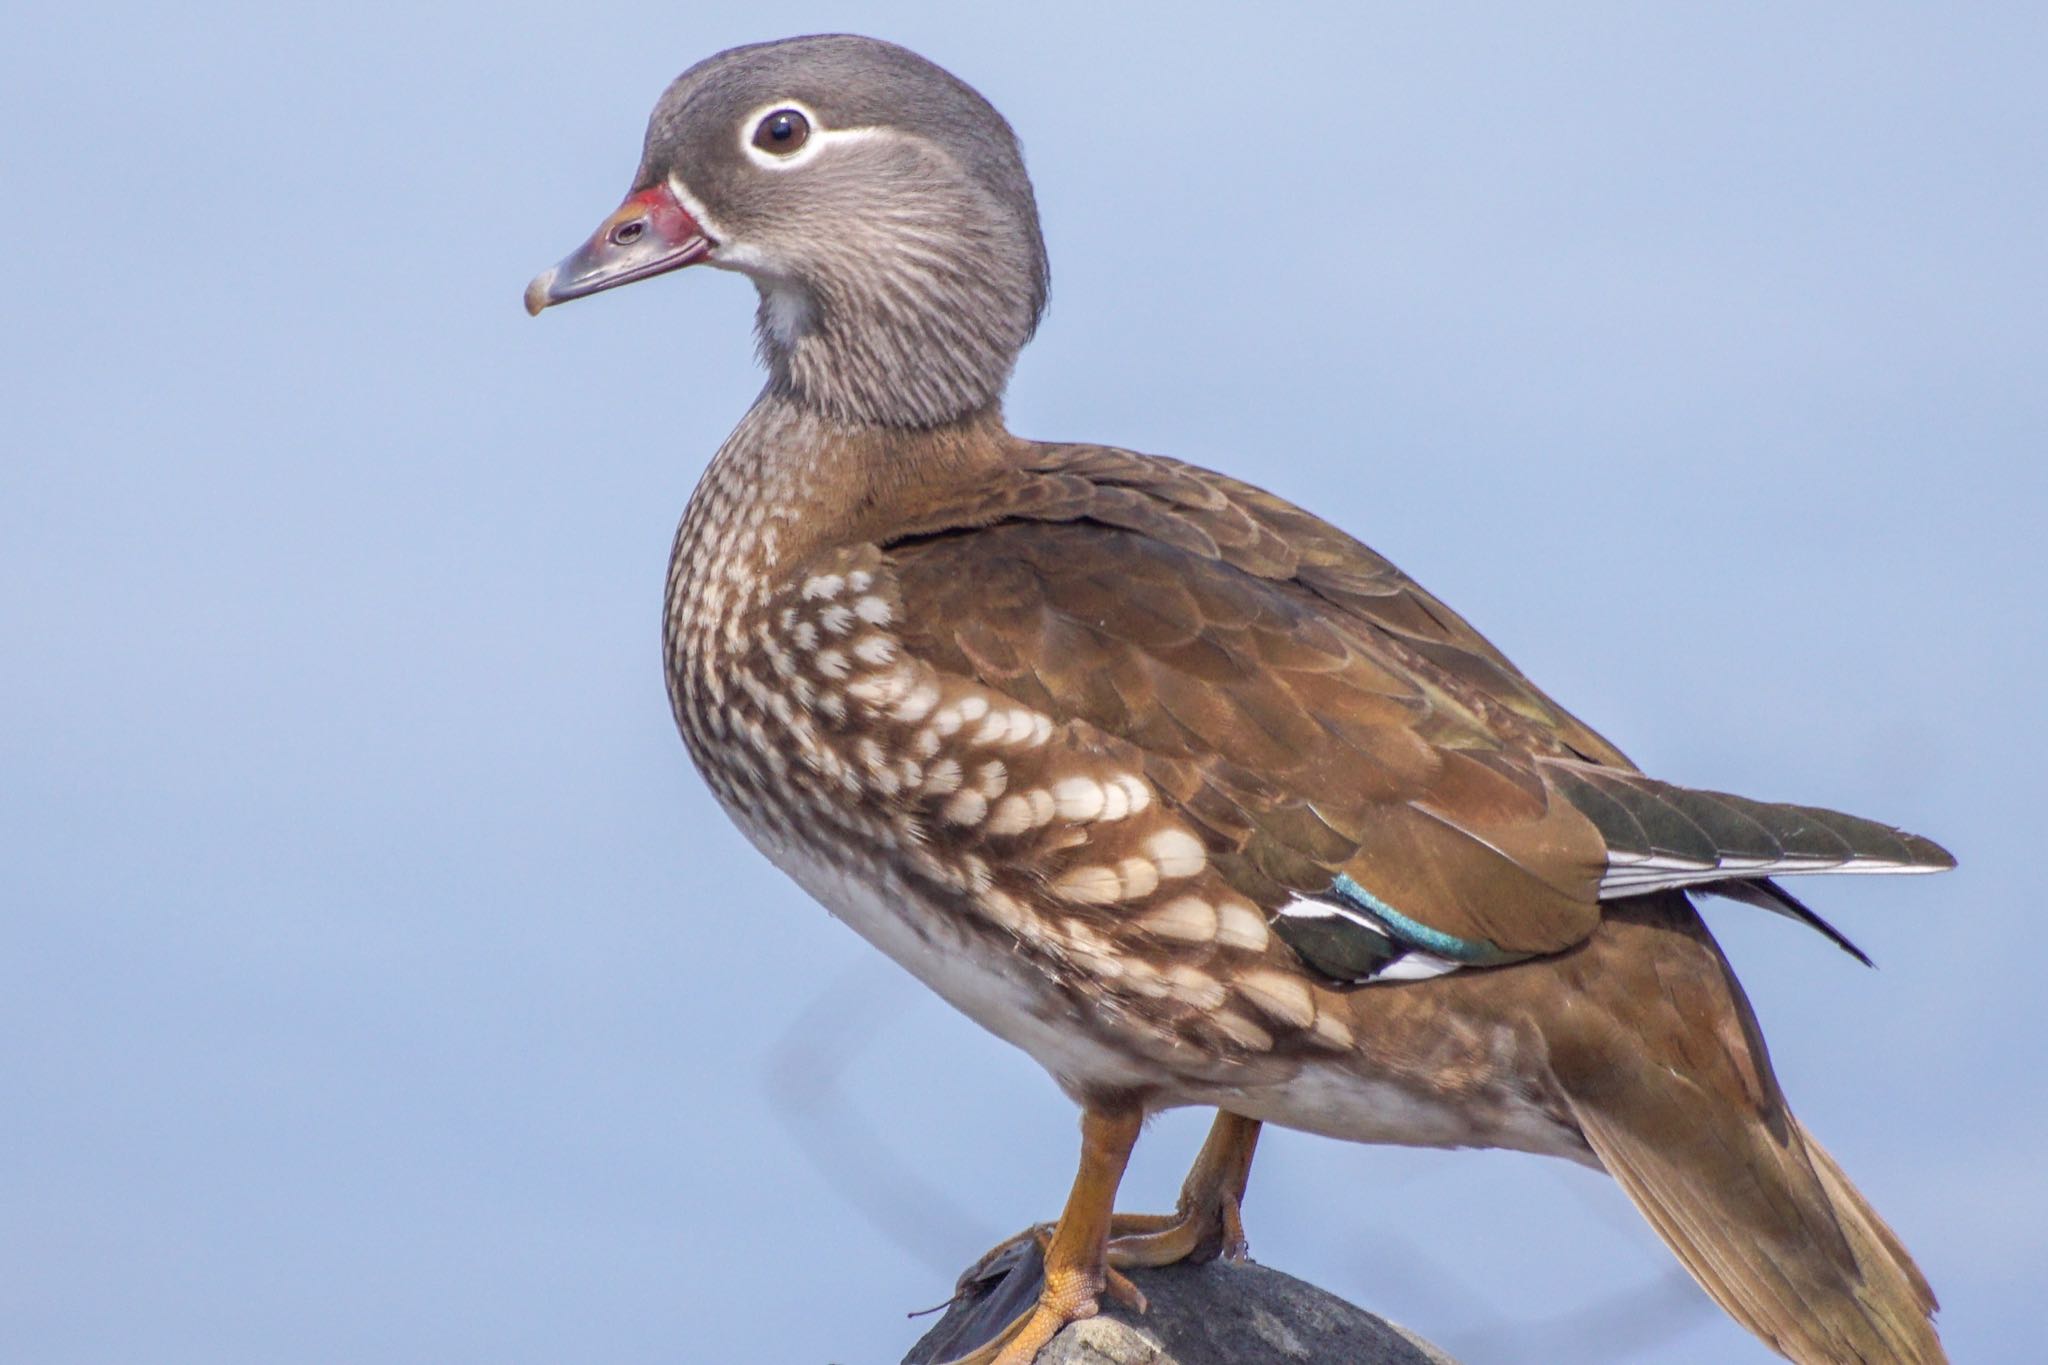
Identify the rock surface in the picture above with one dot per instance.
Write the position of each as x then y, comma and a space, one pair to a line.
1222, 1313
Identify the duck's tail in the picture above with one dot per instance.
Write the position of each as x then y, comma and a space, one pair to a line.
1749, 1202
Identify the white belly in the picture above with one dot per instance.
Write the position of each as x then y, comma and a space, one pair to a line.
1000, 991
1337, 1101
1010, 998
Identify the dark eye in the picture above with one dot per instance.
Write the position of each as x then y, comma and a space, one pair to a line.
782, 132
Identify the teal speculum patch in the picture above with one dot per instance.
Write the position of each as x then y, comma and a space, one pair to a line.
1472, 952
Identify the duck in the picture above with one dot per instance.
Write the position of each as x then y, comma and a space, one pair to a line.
1171, 783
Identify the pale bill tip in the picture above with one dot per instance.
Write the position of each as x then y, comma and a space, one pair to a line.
537, 292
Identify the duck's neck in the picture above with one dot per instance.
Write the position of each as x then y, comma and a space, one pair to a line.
908, 350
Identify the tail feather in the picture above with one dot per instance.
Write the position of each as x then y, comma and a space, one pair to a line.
1664, 1070
1871, 1231
1839, 1288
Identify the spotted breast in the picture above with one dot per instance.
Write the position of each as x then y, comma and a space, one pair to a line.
1021, 864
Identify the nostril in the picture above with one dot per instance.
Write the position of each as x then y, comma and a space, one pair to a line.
625, 234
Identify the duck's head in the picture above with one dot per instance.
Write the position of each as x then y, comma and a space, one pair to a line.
879, 204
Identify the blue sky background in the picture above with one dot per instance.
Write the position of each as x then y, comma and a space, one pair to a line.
378, 983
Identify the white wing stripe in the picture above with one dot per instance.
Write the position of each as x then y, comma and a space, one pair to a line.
1636, 878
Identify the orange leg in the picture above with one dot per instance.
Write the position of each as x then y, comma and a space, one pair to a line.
1075, 1272
1208, 1219
1085, 1250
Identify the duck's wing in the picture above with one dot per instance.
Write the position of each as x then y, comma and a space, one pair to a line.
1362, 763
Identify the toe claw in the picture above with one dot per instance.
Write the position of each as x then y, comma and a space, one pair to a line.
1118, 1286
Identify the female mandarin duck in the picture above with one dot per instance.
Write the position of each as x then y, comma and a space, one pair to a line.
1178, 788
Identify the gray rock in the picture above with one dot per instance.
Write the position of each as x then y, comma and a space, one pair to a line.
1222, 1313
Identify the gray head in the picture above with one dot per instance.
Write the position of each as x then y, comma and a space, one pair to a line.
879, 204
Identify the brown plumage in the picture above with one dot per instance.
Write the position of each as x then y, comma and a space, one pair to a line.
1174, 785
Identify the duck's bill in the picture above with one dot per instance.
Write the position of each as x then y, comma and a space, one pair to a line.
650, 234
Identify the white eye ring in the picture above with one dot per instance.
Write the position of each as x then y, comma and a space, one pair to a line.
817, 140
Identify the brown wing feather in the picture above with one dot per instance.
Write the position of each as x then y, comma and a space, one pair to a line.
1284, 696
1266, 536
